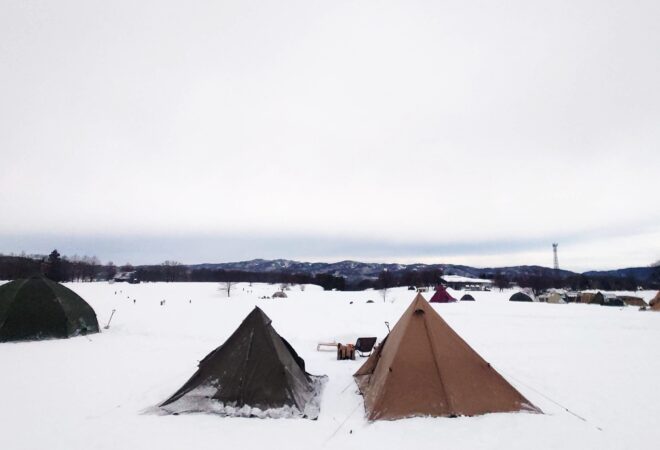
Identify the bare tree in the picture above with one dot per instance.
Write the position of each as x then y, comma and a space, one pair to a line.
174, 271
385, 282
111, 270
501, 281
383, 293
226, 286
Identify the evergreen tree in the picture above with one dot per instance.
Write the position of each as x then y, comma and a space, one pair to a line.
55, 270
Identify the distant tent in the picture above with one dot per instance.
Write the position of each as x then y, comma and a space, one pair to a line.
612, 300
632, 301
255, 373
423, 368
656, 306
280, 294
441, 295
520, 297
552, 297
467, 298
38, 308
529, 292
592, 298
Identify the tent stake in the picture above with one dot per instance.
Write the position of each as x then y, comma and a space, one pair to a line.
109, 320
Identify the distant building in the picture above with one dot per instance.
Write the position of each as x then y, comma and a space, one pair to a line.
465, 283
125, 277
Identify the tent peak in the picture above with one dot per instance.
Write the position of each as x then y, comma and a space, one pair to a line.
260, 314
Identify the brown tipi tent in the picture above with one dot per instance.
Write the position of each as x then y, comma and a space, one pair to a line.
591, 298
632, 301
255, 373
655, 302
423, 368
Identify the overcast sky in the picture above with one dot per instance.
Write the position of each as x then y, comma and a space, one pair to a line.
431, 131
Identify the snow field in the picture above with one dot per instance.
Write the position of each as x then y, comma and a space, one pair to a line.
98, 392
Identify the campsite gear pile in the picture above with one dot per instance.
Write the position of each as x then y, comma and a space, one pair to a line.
345, 351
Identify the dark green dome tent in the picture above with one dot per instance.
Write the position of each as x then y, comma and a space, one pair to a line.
467, 298
38, 308
520, 297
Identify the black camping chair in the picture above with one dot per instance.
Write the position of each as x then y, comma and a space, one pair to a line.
365, 345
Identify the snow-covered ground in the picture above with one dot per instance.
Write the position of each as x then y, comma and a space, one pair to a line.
96, 392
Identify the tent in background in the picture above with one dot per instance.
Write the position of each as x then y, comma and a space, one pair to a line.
467, 298
423, 368
520, 297
38, 308
551, 297
255, 373
441, 295
632, 301
592, 298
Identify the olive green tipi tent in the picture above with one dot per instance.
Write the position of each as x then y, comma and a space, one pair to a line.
38, 308
255, 373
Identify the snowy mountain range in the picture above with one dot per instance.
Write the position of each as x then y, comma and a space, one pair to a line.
352, 270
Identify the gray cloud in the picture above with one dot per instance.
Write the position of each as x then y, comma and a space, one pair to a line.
367, 125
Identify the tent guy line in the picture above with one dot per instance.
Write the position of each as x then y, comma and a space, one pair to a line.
547, 397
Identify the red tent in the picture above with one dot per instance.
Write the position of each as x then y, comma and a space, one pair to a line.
441, 295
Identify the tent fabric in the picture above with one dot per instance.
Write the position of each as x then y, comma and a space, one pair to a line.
424, 368
38, 308
655, 301
613, 301
632, 301
441, 295
520, 297
592, 298
255, 373
467, 297
552, 297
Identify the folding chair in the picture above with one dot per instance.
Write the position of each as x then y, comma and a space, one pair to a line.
365, 345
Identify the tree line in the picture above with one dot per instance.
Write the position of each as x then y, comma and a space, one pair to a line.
578, 282
89, 268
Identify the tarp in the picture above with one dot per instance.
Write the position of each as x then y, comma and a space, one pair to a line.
423, 368
255, 373
38, 308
